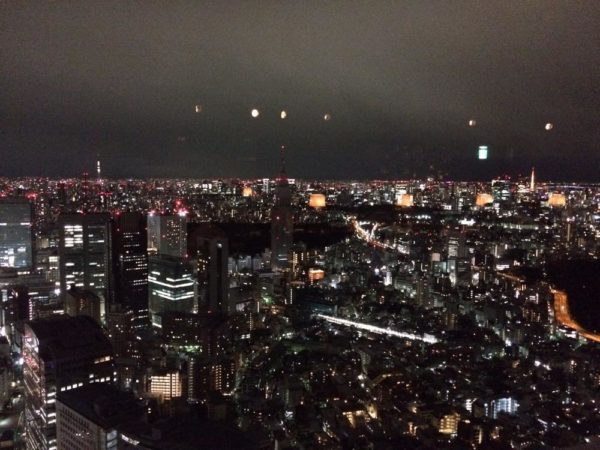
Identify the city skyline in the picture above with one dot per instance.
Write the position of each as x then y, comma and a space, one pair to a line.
299, 225
414, 313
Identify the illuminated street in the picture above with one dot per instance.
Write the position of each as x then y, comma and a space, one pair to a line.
563, 316
378, 330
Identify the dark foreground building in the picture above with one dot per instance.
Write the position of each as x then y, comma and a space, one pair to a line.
59, 354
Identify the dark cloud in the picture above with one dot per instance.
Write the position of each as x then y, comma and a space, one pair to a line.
400, 79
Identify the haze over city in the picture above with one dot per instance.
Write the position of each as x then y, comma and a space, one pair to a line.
401, 80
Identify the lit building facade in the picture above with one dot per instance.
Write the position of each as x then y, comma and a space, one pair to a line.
59, 354
166, 385
167, 235
85, 254
507, 405
16, 233
131, 266
171, 286
206, 375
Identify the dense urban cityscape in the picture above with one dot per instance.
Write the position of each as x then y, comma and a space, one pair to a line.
299, 225
283, 313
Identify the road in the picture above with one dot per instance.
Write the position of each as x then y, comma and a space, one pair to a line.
563, 316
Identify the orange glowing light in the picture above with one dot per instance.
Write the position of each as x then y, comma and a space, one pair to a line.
405, 200
557, 200
315, 275
484, 199
247, 191
317, 201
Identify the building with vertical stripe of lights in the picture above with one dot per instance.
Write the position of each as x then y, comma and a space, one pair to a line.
59, 354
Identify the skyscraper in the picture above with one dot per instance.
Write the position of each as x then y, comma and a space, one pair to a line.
171, 286
167, 235
59, 354
15, 233
282, 222
84, 253
210, 247
131, 265
457, 245
89, 417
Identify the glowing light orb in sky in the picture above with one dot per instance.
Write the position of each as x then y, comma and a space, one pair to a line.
255, 113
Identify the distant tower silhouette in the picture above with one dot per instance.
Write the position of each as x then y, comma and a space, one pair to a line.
98, 169
282, 221
85, 188
532, 182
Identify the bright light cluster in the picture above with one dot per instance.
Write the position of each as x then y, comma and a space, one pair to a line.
378, 330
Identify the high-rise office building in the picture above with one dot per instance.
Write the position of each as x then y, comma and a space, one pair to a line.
282, 222
507, 405
79, 302
502, 189
84, 254
15, 233
167, 235
207, 375
171, 286
166, 384
210, 247
457, 245
59, 354
89, 417
131, 265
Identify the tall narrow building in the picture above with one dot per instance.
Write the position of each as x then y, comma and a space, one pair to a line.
15, 233
85, 254
282, 222
98, 169
210, 249
131, 265
59, 354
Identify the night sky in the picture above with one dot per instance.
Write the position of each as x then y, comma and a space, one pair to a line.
400, 79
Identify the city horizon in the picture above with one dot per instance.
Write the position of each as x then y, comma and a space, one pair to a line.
279, 225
